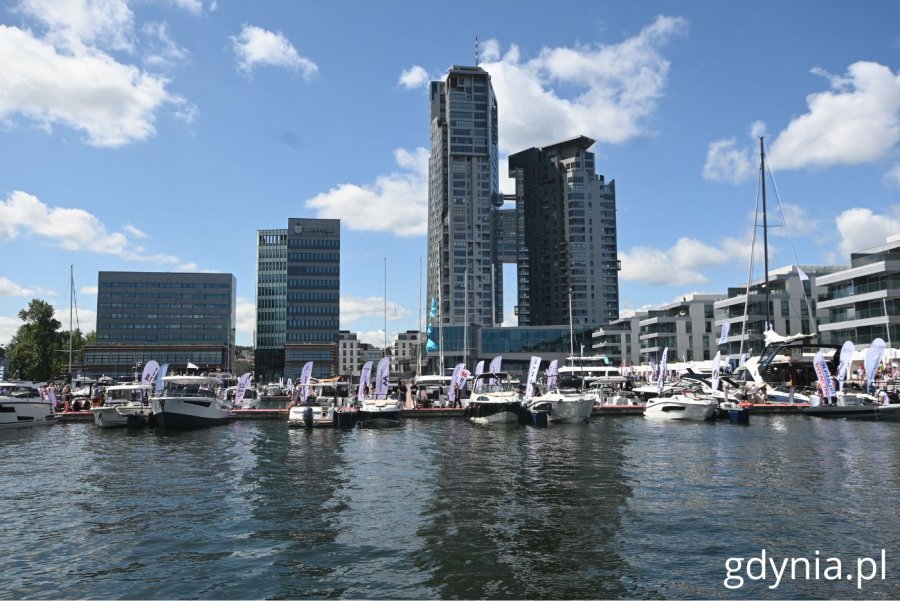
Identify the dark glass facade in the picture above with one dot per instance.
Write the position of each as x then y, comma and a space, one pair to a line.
172, 318
298, 298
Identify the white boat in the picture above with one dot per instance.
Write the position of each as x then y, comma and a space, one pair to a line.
21, 405
683, 406
607, 396
565, 404
189, 402
124, 405
374, 412
250, 400
494, 399
327, 398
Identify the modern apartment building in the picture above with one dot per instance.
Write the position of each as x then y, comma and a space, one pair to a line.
862, 302
174, 318
464, 273
298, 298
685, 328
568, 258
619, 340
406, 353
792, 306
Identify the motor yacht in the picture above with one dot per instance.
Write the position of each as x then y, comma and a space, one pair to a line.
124, 405
188, 402
21, 404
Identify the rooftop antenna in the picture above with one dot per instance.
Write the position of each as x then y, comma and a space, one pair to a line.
476, 51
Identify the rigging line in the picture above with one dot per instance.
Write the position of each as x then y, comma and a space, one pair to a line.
812, 314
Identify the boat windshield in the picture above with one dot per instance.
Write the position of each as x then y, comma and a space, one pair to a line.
126, 394
19, 392
489, 385
188, 390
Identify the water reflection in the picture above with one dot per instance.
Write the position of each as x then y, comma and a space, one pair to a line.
526, 513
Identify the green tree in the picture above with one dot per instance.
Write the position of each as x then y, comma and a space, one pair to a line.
32, 350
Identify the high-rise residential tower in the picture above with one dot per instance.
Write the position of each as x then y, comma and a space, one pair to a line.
569, 246
464, 272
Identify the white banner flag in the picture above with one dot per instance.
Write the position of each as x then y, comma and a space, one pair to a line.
663, 371
495, 364
873, 358
243, 382
479, 368
715, 371
552, 373
364, 381
159, 378
726, 327
150, 372
305, 374
381, 378
846, 356
533, 368
825, 382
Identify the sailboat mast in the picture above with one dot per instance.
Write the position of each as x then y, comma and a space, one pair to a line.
419, 341
762, 176
71, 304
385, 306
571, 331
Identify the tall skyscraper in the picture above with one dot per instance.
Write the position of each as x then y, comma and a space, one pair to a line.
464, 271
569, 244
298, 298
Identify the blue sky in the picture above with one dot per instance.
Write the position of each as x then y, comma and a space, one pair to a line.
161, 134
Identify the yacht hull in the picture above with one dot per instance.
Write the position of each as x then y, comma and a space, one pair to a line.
565, 410
669, 409
18, 414
188, 414
494, 413
120, 417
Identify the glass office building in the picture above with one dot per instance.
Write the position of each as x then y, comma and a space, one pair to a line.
298, 298
174, 318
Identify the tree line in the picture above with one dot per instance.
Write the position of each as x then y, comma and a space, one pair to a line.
39, 350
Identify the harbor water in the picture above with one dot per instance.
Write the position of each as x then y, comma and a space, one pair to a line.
441, 508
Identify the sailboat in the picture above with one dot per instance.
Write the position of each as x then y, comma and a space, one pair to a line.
784, 371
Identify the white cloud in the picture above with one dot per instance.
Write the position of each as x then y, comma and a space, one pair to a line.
414, 77
75, 24
677, 266
246, 317
256, 46
195, 7
164, 52
376, 337
860, 229
796, 221
510, 319
395, 203
92, 290
112, 103
134, 231
892, 177
727, 163
619, 87
10, 288
857, 121
70, 229
353, 309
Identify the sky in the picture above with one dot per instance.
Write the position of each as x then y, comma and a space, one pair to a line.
160, 135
